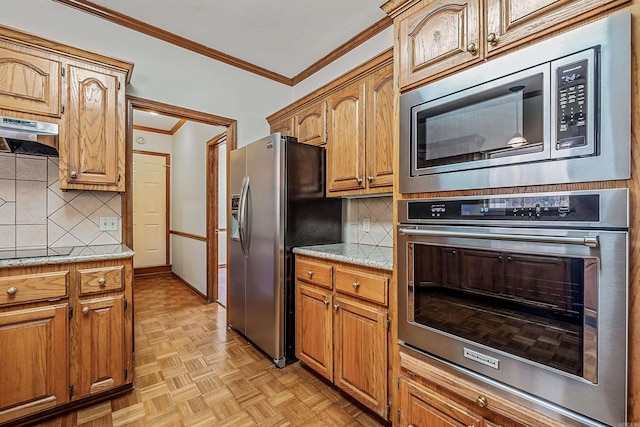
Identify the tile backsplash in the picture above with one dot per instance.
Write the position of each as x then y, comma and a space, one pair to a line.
370, 221
35, 213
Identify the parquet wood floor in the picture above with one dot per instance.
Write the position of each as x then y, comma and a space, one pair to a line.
190, 370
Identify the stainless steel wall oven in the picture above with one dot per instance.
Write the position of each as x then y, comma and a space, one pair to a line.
557, 111
529, 290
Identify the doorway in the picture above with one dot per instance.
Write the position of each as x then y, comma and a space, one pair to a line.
217, 168
210, 239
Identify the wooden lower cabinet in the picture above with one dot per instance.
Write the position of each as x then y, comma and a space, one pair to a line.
59, 346
342, 336
34, 373
430, 396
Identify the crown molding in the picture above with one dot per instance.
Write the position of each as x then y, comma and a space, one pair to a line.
150, 30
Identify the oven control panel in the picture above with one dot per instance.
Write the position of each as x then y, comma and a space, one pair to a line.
572, 105
564, 207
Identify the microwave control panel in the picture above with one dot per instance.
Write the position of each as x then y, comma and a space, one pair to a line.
572, 105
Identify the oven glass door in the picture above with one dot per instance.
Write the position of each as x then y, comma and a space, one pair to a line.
538, 307
499, 122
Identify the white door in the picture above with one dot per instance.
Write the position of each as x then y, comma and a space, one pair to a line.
149, 210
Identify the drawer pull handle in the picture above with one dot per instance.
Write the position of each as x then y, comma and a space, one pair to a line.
481, 401
326, 302
102, 281
492, 38
359, 180
370, 178
336, 306
355, 285
12, 290
73, 174
85, 311
472, 48
310, 273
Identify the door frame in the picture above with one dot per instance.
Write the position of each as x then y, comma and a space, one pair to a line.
231, 135
213, 146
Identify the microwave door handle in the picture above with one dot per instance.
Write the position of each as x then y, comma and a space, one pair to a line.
590, 241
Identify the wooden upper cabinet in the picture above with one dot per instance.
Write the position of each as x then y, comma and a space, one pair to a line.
310, 124
94, 150
346, 144
509, 22
99, 362
440, 37
34, 373
30, 80
379, 122
284, 126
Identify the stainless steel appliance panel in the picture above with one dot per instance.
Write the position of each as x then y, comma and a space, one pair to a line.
236, 280
264, 289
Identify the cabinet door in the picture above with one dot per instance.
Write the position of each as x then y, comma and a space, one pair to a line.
34, 373
310, 124
420, 406
284, 126
440, 37
98, 363
360, 353
30, 80
314, 325
509, 22
93, 148
379, 119
346, 144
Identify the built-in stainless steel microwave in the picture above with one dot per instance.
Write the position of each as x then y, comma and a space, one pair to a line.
554, 112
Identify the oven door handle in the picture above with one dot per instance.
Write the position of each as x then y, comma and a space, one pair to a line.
590, 241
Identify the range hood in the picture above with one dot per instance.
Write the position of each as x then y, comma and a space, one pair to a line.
28, 137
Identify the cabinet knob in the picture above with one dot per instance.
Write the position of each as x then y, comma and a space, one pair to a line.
12, 290
326, 302
336, 306
310, 273
73, 174
492, 38
481, 401
370, 178
102, 281
355, 285
472, 48
85, 311
359, 180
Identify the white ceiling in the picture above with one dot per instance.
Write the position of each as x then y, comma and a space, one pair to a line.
283, 36
153, 120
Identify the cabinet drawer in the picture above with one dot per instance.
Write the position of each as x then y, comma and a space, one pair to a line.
103, 279
33, 287
362, 285
314, 272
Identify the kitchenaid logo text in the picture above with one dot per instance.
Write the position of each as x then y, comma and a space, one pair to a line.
482, 358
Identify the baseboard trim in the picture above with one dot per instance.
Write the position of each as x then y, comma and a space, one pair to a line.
189, 286
142, 272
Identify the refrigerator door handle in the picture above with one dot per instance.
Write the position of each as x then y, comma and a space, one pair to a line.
242, 215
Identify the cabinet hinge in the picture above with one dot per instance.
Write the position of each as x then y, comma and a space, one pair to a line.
62, 71
398, 383
118, 84
398, 416
126, 373
119, 176
388, 410
70, 312
388, 323
70, 391
62, 110
126, 304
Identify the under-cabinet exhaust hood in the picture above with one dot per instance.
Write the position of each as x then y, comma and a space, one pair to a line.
28, 137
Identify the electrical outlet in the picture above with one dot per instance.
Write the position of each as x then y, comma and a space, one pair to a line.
108, 223
366, 225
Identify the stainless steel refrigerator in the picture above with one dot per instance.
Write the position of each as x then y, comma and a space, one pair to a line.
277, 202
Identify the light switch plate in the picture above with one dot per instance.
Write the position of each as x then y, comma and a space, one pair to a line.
108, 223
366, 225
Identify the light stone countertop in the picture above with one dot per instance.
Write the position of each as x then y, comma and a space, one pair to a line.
26, 258
352, 253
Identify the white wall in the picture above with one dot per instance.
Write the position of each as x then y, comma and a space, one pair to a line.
153, 141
